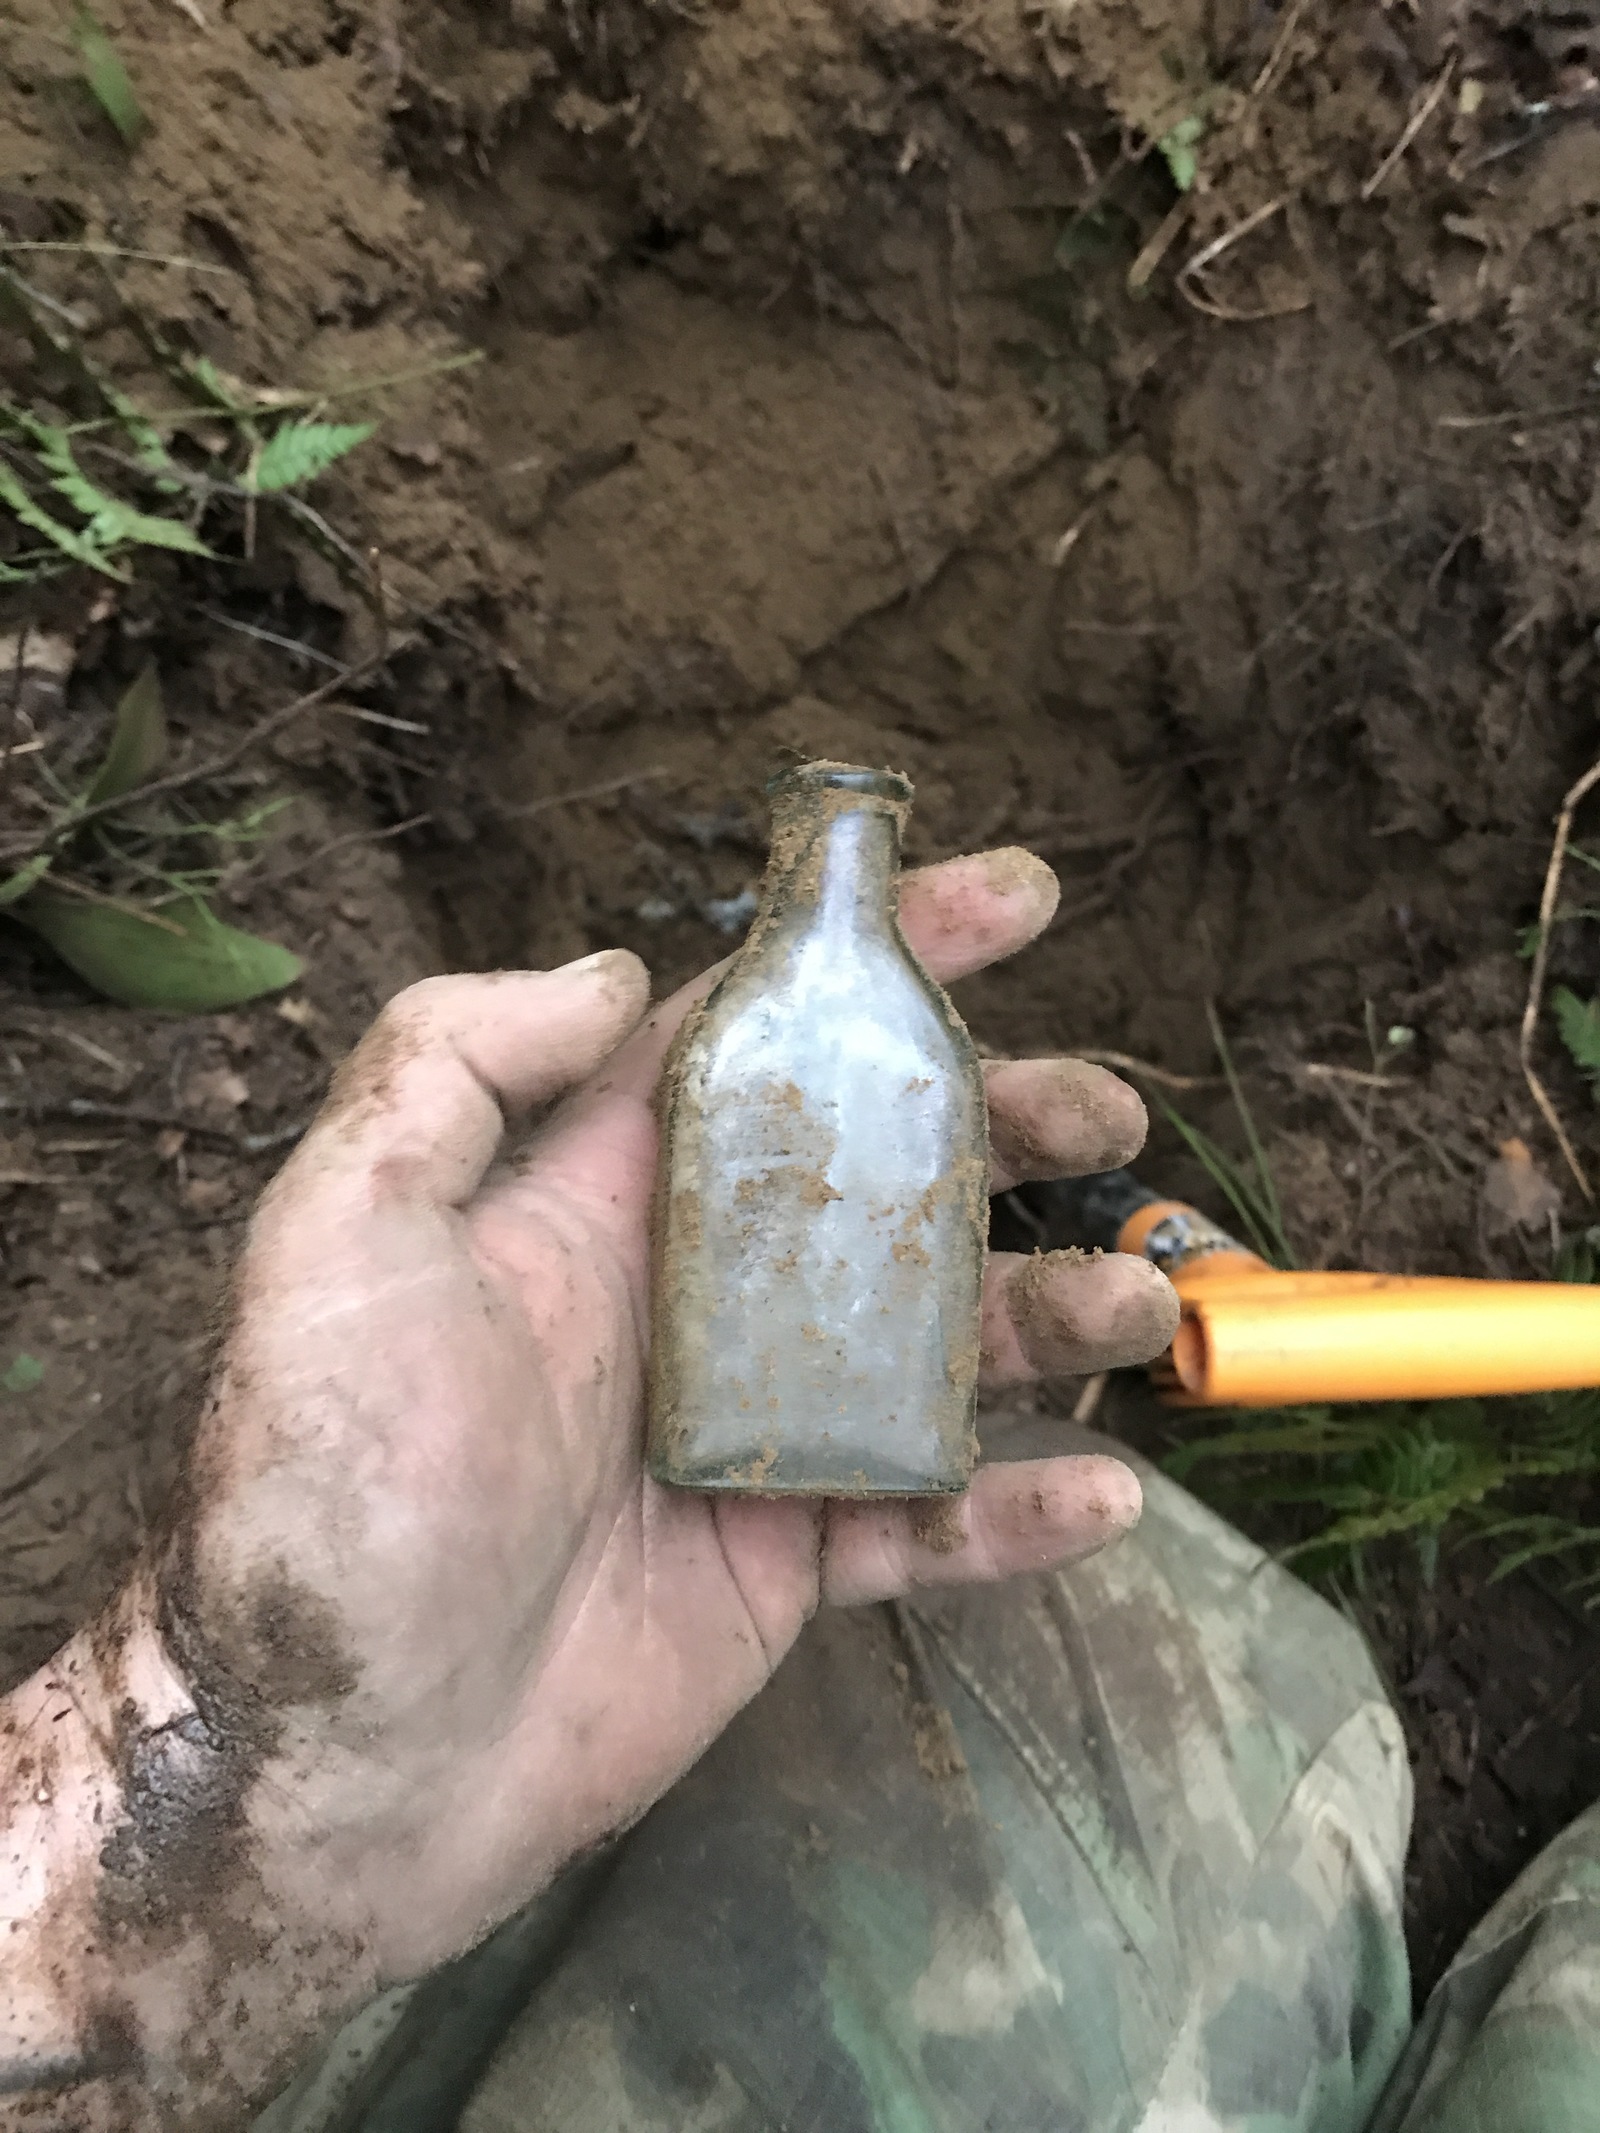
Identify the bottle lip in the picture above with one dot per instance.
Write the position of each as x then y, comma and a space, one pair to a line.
841, 777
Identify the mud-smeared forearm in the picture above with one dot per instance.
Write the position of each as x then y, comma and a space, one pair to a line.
157, 1968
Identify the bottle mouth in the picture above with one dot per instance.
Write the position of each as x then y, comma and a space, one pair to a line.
842, 777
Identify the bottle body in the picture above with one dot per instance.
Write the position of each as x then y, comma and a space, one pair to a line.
823, 1199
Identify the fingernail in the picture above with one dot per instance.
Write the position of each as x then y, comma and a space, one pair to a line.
1014, 871
1050, 1118
1073, 1314
1118, 1499
616, 974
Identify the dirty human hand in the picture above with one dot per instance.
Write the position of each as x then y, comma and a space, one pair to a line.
420, 1629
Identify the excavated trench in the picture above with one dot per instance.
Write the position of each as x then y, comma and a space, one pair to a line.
849, 389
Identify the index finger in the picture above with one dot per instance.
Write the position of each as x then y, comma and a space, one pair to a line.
957, 917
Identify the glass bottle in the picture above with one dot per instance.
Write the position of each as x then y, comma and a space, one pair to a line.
822, 1206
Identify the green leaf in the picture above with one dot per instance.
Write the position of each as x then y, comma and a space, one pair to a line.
67, 478
202, 373
1579, 1023
20, 308
1425, 1513
148, 444
1313, 1434
1231, 1182
112, 523
138, 741
107, 76
23, 1373
18, 884
1178, 149
137, 961
299, 451
77, 546
116, 524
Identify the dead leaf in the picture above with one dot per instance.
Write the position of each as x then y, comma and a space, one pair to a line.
170, 1143
216, 1089
1516, 1193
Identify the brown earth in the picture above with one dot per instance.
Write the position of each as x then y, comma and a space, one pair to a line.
817, 413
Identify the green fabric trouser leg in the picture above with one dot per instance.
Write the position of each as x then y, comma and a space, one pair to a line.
1510, 2039
1108, 1849
1117, 1848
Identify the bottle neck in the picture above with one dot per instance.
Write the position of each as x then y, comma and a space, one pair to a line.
836, 861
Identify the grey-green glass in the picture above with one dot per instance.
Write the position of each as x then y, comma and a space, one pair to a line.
820, 1224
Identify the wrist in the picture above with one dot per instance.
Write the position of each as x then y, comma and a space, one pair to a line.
57, 1796
159, 1928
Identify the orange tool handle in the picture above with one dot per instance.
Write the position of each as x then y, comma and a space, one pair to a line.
1267, 1346
1252, 1336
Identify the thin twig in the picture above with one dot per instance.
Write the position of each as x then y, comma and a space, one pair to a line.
254, 629
1452, 550
1413, 126
338, 844
115, 251
215, 767
1163, 1077
1541, 957
277, 401
88, 1047
379, 718
13, 747
1318, 1070
1066, 542
1590, 406
1089, 1398
1280, 45
1209, 254
107, 902
1156, 247
583, 792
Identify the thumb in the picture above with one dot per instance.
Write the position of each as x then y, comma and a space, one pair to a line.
419, 1107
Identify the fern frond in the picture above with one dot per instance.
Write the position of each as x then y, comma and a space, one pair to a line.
298, 452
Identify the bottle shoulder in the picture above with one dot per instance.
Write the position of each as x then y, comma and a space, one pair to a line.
864, 983
888, 1043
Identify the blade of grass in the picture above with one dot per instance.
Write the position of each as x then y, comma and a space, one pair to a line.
1258, 1155
107, 76
1225, 1174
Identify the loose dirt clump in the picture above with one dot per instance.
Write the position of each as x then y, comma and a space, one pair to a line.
1166, 435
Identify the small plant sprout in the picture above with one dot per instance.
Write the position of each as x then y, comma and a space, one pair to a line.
107, 77
151, 939
1177, 148
1247, 1185
1579, 1024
